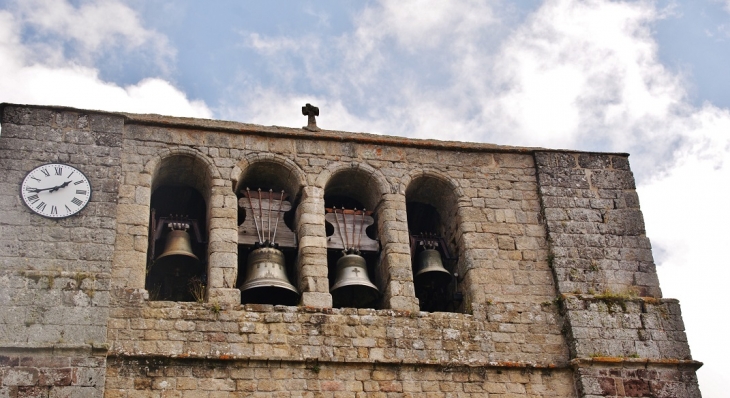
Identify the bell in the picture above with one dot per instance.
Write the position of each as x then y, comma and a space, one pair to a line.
266, 280
178, 253
352, 286
431, 271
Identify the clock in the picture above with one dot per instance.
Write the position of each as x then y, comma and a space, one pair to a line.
55, 190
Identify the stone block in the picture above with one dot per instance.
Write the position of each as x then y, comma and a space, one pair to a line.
315, 299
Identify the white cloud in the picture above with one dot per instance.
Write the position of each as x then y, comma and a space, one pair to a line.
576, 74
422, 24
587, 75
26, 78
93, 27
685, 220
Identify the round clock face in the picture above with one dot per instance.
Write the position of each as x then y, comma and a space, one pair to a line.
56, 190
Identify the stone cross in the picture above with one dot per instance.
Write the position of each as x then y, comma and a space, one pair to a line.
310, 111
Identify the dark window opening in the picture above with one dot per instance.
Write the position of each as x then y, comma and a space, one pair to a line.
431, 213
178, 250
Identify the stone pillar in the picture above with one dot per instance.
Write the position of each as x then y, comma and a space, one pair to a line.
312, 251
223, 245
133, 220
395, 257
624, 339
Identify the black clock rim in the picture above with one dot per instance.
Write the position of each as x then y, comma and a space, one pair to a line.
22, 198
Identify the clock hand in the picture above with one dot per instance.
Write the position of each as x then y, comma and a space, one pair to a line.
49, 189
36, 190
59, 187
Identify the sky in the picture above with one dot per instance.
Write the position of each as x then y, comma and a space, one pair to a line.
645, 77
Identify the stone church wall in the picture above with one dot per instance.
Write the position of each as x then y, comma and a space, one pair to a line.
55, 275
559, 295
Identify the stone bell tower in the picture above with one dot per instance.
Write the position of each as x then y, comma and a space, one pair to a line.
218, 259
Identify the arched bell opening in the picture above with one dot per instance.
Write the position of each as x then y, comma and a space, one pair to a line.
431, 213
351, 198
267, 193
177, 252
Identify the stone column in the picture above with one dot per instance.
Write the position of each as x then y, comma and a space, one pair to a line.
395, 257
223, 246
312, 251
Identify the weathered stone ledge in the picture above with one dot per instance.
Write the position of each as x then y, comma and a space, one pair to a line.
447, 365
96, 349
265, 308
617, 298
633, 362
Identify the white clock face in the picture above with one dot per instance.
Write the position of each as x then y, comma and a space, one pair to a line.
56, 190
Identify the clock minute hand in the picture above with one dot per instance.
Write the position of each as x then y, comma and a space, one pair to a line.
36, 190
49, 189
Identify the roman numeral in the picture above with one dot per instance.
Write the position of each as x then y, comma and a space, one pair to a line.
35, 179
33, 198
41, 206
59, 171
72, 172
67, 209
30, 189
78, 182
44, 171
76, 201
81, 192
53, 210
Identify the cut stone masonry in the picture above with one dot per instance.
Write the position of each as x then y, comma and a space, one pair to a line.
560, 296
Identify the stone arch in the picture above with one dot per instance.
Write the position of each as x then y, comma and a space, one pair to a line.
152, 167
272, 172
287, 173
449, 182
350, 186
432, 210
181, 186
374, 184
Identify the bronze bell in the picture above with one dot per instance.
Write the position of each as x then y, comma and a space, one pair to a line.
352, 286
266, 280
431, 271
178, 253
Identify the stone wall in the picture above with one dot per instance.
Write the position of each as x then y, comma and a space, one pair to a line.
524, 333
560, 295
626, 327
163, 377
602, 377
55, 274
